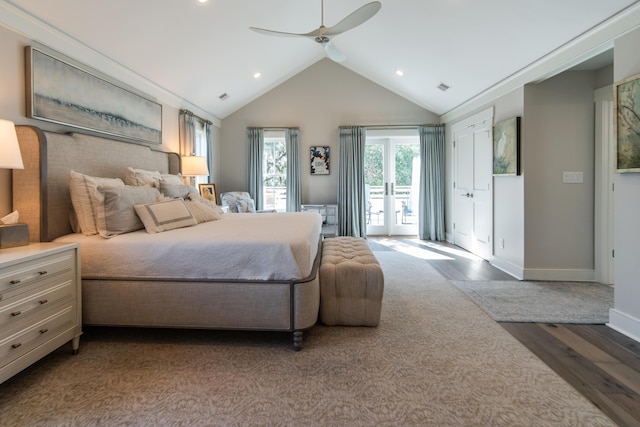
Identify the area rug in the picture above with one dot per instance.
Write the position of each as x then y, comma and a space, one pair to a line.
435, 359
541, 302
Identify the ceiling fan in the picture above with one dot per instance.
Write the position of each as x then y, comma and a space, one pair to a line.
322, 34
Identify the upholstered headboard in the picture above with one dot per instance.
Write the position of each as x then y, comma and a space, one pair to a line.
41, 190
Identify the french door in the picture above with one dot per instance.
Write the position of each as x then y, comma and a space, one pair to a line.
392, 179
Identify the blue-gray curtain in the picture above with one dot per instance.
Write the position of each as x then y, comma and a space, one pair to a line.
294, 187
351, 190
432, 151
209, 136
255, 137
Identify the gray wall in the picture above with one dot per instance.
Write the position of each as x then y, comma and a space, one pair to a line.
317, 100
626, 315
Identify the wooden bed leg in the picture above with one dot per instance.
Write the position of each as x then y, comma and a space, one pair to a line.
297, 340
75, 345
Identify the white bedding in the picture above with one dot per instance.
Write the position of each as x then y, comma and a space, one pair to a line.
265, 246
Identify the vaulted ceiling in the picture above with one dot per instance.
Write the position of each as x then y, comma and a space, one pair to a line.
199, 51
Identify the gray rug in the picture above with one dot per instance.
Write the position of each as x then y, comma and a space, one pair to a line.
541, 302
435, 359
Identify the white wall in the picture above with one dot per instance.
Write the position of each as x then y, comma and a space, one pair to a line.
317, 100
625, 317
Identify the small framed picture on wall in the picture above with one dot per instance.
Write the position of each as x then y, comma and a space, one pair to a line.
320, 160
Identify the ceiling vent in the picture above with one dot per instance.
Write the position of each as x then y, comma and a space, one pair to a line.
224, 96
443, 87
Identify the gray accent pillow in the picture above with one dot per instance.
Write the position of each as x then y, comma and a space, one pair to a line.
115, 213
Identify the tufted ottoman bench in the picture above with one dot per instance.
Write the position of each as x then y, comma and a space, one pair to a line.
351, 283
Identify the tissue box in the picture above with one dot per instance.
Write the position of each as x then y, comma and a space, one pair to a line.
12, 235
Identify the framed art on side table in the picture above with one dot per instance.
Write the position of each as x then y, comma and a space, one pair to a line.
208, 191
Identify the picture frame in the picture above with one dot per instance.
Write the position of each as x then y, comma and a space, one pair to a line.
627, 128
506, 147
62, 91
319, 157
208, 192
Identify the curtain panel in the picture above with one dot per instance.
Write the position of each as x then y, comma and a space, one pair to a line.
294, 187
187, 131
209, 136
431, 201
255, 138
351, 189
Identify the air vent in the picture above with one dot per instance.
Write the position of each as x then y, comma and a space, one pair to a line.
224, 96
443, 87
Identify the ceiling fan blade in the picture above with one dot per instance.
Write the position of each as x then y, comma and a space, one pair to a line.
277, 33
333, 52
356, 18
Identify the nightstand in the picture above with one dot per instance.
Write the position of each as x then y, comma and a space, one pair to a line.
329, 215
40, 303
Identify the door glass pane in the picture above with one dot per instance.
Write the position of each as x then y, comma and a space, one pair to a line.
407, 179
374, 183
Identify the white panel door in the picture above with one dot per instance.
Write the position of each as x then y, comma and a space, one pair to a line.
473, 193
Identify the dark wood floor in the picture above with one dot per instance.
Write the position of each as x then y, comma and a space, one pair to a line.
599, 362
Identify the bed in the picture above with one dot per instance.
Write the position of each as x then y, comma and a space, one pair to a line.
181, 278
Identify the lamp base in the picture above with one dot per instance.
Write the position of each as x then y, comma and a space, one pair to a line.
12, 235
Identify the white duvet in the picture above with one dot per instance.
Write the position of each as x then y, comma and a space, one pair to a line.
264, 246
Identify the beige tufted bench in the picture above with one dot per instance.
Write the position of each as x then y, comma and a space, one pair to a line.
351, 283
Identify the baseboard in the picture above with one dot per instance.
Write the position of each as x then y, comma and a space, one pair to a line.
508, 267
563, 275
624, 323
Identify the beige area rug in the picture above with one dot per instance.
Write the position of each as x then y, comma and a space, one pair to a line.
436, 359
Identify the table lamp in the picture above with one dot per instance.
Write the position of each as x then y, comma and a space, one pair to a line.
12, 233
193, 166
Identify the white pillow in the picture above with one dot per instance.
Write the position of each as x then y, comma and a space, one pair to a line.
115, 213
202, 212
83, 189
175, 190
138, 177
172, 179
165, 215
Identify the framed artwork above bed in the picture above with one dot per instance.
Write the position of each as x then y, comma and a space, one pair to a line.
62, 91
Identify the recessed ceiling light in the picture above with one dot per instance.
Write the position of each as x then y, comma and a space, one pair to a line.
257, 75
202, 1
399, 72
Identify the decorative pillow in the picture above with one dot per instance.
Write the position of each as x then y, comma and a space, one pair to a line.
203, 212
175, 191
172, 179
115, 213
83, 189
165, 215
137, 177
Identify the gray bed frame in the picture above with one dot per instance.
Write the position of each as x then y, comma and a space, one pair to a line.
41, 195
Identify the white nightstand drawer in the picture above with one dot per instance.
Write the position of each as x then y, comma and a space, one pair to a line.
26, 273
15, 309
39, 333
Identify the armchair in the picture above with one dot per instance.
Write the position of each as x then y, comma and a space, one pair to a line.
240, 202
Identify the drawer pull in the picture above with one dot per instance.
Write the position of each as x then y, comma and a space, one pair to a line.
38, 274
16, 313
44, 331
43, 301
16, 345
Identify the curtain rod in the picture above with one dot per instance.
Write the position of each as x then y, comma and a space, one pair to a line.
394, 126
273, 128
198, 117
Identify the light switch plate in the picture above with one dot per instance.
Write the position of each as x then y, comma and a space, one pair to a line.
572, 177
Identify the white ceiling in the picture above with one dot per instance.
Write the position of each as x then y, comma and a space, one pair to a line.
199, 51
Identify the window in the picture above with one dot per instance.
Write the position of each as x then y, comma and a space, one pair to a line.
274, 171
200, 148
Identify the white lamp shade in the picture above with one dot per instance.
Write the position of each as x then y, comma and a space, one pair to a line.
10, 157
194, 166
